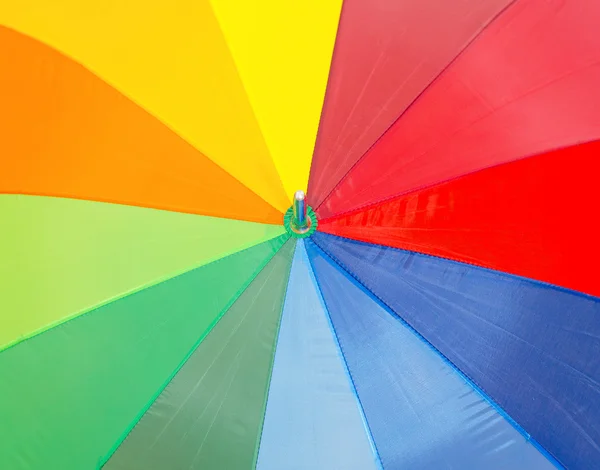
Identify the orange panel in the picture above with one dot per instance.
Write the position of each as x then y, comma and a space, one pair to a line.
64, 132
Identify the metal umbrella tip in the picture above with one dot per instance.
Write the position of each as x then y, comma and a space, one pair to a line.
300, 222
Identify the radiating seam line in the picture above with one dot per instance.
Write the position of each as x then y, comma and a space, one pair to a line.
461, 52
424, 294
480, 390
486, 269
418, 189
491, 112
156, 207
250, 104
135, 102
235, 363
103, 460
464, 128
334, 53
383, 108
215, 358
375, 450
130, 292
272, 365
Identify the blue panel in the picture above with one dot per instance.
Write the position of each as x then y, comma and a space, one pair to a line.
423, 414
312, 419
533, 348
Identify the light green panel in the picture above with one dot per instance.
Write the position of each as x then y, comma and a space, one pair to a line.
70, 394
62, 257
210, 416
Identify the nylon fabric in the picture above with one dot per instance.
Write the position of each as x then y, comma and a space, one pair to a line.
173, 60
63, 257
71, 393
533, 217
210, 414
423, 414
528, 84
533, 348
386, 53
64, 132
282, 51
312, 420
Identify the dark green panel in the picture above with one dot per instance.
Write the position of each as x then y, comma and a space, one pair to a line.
70, 394
210, 415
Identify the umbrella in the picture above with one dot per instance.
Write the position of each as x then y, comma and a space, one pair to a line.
299, 235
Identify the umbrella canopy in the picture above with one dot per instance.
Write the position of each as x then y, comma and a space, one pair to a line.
170, 299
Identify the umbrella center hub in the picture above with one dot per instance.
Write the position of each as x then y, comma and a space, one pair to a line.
300, 220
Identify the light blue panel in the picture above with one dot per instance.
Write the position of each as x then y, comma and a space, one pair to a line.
313, 419
422, 413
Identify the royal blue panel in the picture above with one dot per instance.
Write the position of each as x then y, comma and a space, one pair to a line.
533, 348
423, 414
313, 419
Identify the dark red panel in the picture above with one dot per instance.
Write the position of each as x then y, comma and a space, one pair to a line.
386, 53
537, 217
528, 84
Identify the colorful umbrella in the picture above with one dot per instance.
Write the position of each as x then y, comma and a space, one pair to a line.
169, 301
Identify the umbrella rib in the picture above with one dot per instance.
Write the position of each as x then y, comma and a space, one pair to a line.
147, 406
414, 101
378, 459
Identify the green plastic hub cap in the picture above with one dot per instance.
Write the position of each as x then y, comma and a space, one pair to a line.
312, 223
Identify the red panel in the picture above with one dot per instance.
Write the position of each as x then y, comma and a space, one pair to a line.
387, 52
537, 217
528, 84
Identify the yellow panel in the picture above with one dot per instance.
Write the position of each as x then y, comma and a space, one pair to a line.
283, 51
171, 58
